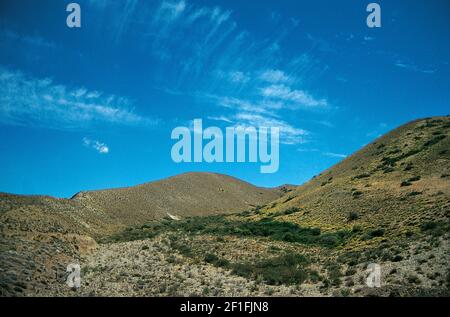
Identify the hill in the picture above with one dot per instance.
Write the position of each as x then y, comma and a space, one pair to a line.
208, 234
387, 204
40, 235
189, 194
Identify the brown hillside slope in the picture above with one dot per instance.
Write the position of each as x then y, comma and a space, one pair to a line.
40, 235
396, 182
387, 204
189, 194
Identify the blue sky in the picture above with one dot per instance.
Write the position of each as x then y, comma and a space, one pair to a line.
94, 107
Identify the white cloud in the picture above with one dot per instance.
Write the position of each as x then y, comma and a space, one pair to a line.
244, 105
100, 147
299, 97
34, 40
239, 77
414, 68
288, 133
170, 11
40, 102
220, 118
274, 76
308, 150
216, 60
331, 154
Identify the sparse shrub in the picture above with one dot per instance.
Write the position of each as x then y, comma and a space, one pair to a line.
352, 216
287, 269
184, 250
413, 279
388, 170
448, 279
245, 213
171, 259
314, 276
363, 175
349, 282
373, 234
334, 274
357, 194
405, 183
414, 179
345, 292
408, 166
435, 228
434, 140
350, 271
214, 259
285, 212
288, 199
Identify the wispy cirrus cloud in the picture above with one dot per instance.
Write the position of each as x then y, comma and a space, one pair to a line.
331, 154
32, 40
275, 76
224, 64
414, 68
298, 97
288, 133
41, 102
98, 146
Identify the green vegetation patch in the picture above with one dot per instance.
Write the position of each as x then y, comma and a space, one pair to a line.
435, 228
219, 225
286, 269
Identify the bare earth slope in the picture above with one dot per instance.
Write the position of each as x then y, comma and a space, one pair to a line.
41, 235
189, 194
396, 182
387, 204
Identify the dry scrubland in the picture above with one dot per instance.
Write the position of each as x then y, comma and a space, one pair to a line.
388, 204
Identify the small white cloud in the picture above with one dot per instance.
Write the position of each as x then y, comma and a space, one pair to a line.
220, 118
307, 150
414, 68
289, 134
100, 147
369, 38
170, 11
331, 154
274, 76
238, 77
35, 40
297, 96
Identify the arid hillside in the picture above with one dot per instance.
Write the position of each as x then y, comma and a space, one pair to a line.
190, 194
40, 235
396, 182
207, 234
387, 204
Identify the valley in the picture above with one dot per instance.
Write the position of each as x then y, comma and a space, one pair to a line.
204, 234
